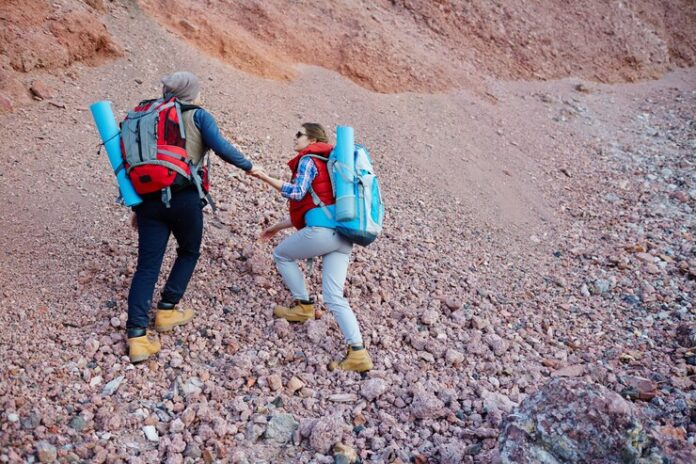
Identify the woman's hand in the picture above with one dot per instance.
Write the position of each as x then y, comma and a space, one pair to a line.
256, 171
270, 232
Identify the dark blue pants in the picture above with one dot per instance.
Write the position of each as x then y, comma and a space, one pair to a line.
184, 219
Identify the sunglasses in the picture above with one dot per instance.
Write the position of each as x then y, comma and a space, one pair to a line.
300, 134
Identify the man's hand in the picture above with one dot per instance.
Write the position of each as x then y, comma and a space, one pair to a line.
255, 171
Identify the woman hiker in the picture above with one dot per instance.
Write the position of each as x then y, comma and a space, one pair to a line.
315, 237
182, 216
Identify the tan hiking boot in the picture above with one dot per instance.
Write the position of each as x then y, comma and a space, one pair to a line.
167, 319
356, 360
141, 348
301, 312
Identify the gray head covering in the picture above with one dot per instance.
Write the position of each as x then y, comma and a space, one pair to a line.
182, 85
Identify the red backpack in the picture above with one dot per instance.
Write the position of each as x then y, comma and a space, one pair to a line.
153, 146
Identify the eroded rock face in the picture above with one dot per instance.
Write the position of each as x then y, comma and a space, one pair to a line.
40, 37
573, 421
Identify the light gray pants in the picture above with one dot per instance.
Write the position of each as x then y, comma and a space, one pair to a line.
311, 242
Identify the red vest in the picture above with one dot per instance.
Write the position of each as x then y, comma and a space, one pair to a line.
321, 183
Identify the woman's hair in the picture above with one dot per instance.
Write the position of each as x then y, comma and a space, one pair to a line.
315, 131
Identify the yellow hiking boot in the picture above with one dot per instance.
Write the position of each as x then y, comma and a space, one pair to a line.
141, 348
167, 319
357, 360
301, 312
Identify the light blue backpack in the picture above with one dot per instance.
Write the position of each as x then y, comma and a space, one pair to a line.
358, 214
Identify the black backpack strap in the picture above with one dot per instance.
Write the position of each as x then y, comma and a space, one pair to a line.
188, 107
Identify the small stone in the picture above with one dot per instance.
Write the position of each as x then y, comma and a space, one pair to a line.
274, 382
111, 387
115, 322
46, 452
151, 433
95, 381
452, 452
6, 105
316, 331
454, 357
192, 451
343, 398
326, 432
426, 405
41, 90
373, 388
12, 417
639, 388
295, 384
91, 346
78, 423
176, 426
570, 371
430, 317
281, 428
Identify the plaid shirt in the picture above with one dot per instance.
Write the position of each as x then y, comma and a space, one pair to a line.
306, 172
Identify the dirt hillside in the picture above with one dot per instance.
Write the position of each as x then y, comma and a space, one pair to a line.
540, 225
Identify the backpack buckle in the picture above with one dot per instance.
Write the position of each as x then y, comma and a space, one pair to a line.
167, 197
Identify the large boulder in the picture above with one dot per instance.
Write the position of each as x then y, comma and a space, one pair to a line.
569, 421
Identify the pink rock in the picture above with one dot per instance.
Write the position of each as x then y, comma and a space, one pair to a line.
294, 384
177, 445
41, 90
452, 452
274, 382
639, 388
430, 317
593, 423
454, 357
493, 401
46, 452
6, 105
188, 416
575, 370
306, 427
426, 405
373, 388
475, 344
496, 344
281, 328
316, 331
220, 427
326, 432
176, 426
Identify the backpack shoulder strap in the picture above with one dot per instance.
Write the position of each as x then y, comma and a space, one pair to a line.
315, 197
188, 107
147, 101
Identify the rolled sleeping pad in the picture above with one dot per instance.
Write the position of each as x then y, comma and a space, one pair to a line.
345, 168
110, 135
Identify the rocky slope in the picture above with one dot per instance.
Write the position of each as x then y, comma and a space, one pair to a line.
535, 231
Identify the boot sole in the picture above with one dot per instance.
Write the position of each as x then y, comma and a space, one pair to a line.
356, 370
295, 319
167, 328
137, 359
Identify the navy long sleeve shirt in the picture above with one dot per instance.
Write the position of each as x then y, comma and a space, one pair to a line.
210, 133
